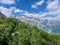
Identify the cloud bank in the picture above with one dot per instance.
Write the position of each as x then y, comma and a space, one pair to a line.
52, 7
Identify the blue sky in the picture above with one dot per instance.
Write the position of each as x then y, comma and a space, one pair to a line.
26, 5
31, 8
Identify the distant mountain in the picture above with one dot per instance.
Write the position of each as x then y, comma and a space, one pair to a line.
52, 26
2, 15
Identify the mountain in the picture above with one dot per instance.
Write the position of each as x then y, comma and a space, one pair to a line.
49, 25
2, 15
14, 32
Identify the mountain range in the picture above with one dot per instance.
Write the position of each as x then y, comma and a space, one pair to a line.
14, 32
48, 25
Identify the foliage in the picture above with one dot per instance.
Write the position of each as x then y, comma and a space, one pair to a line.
13, 32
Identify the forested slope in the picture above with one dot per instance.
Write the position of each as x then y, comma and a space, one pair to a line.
13, 32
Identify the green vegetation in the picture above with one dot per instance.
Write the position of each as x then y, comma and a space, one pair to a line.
13, 32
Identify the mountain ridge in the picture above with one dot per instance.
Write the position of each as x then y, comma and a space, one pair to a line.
2, 15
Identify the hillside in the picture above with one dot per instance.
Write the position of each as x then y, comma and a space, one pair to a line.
13, 32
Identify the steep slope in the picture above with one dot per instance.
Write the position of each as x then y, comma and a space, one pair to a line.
13, 32
2, 15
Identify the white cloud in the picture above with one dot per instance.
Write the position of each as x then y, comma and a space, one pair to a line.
9, 11
5, 11
7, 1
15, 10
43, 14
58, 17
26, 13
34, 15
49, 1
37, 4
40, 2
54, 5
53, 8
34, 6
